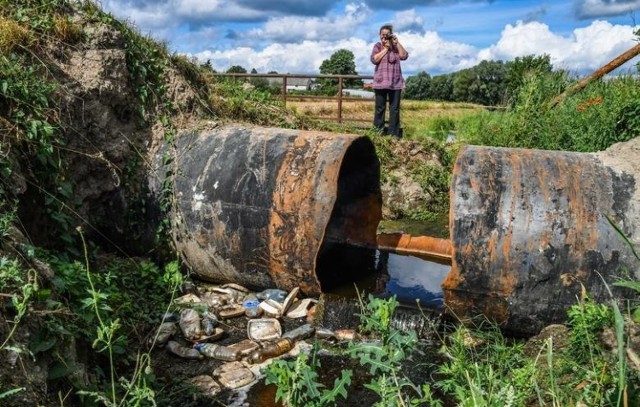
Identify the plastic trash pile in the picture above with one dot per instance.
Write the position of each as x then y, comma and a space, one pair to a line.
203, 318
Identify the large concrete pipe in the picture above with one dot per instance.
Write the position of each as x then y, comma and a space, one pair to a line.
529, 229
257, 206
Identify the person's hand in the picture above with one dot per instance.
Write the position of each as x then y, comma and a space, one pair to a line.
386, 43
394, 40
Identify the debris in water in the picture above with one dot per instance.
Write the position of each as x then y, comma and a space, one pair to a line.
182, 351
234, 375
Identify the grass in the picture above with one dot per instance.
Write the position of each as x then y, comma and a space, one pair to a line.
419, 118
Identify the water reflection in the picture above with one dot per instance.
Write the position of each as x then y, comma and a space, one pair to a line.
383, 274
411, 278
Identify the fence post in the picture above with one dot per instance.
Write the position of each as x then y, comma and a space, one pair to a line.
340, 100
284, 90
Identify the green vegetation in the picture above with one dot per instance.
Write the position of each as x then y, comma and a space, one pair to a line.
478, 366
383, 354
342, 62
591, 120
72, 293
490, 83
297, 382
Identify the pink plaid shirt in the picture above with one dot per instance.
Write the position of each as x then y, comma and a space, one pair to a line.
388, 74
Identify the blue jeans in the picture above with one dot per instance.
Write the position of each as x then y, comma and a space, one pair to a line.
393, 96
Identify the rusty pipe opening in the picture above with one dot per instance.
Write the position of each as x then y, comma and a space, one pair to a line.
354, 219
262, 206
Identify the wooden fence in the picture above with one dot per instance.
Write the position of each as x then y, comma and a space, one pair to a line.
339, 97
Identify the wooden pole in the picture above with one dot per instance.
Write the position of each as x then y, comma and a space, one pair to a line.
619, 60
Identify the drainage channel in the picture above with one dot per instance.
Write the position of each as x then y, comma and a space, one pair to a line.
412, 280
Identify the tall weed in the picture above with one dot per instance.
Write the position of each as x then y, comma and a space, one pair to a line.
592, 120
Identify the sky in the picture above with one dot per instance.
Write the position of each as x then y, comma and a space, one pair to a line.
441, 36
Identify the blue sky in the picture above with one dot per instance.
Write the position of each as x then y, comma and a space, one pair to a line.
441, 36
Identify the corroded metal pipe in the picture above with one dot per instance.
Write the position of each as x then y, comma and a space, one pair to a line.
255, 206
529, 229
426, 247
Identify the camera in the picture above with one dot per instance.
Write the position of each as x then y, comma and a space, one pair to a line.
388, 36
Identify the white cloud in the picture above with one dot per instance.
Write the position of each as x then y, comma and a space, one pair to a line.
431, 53
300, 44
214, 10
304, 57
145, 18
409, 20
587, 48
296, 29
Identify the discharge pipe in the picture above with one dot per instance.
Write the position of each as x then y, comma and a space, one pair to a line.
257, 206
530, 230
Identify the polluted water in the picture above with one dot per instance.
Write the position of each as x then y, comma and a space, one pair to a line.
230, 329
410, 279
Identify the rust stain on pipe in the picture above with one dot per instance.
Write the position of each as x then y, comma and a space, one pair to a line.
527, 228
256, 206
291, 229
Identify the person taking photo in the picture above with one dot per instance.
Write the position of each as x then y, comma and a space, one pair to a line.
387, 79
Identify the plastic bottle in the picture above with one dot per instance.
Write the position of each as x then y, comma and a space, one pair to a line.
219, 352
164, 333
272, 294
301, 332
251, 306
190, 324
270, 350
209, 323
182, 351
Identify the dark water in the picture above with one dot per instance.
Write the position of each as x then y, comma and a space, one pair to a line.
384, 274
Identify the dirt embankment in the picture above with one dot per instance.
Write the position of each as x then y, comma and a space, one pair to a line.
103, 152
104, 149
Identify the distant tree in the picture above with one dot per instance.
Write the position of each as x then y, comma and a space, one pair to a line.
272, 72
236, 69
487, 86
253, 71
441, 88
461, 83
418, 87
520, 68
342, 62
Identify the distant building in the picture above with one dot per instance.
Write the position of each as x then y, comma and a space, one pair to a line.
362, 93
293, 84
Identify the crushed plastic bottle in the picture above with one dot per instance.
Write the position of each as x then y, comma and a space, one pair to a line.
251, 305
164, 333
219, 352
209, 323
271, 350
272, 294
183, 351
190, 324
301, 332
